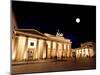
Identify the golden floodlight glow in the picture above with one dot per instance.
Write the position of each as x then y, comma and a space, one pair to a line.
13, 55
49, 44
44, 49
13, 50
54, 45
53, 49
68, 50
65, 46
64, 50
77, 53
91, 52
25, 55
86, 52
48, 48
59, 54
40, 49
83, 52
21, 48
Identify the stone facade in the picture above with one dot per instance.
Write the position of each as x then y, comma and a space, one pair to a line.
87, 49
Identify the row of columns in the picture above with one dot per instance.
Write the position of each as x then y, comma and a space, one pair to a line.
84, 52
61, 49
43, 49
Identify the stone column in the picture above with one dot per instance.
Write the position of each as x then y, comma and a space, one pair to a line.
88, 51
62, 51
56, 49
15, 47
44, 49
25, 50
51, 49
36, 49
68, 50
46, 46
14, 51
20, 48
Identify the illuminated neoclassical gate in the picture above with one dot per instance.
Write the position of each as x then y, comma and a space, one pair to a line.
29, 47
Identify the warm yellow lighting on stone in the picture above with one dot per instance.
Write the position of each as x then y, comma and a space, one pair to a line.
54, 45
49, 44
25, 55
53, 49
64, 50
86, 52
20, 49
91, 52
44, 49
40, 48
77, 53
59, 51
13, 50
65, 46
13, 55
68, 50
48, 48
83, 53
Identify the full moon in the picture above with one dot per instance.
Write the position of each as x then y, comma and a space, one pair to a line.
77, 20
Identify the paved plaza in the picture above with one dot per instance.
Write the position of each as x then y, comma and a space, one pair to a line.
53, 65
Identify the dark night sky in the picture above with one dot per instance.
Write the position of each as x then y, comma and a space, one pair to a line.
46, 17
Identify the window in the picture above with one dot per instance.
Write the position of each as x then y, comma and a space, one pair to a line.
32, 43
